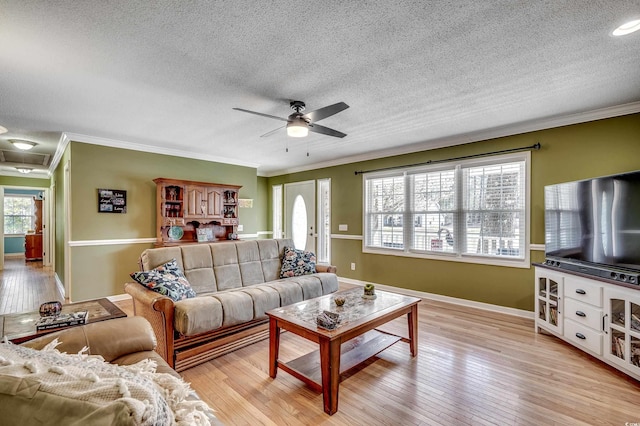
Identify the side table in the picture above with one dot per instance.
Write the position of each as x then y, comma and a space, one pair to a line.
21, 327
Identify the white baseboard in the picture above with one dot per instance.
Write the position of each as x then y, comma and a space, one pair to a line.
14, 255
60, 285
448, 299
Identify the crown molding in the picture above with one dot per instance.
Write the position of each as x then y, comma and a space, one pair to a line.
496, 132
67, 137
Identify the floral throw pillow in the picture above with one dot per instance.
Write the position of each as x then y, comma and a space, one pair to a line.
166, 279
297, 262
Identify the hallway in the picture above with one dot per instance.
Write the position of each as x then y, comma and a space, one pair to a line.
24, 286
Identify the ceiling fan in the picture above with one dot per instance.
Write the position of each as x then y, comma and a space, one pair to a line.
299, 125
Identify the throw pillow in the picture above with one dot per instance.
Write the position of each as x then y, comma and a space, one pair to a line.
297, 262
167, 279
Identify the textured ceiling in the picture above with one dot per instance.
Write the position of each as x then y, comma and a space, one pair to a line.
416, 74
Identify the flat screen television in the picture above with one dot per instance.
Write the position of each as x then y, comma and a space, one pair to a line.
594, 222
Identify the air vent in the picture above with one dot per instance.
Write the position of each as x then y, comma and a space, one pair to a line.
24, 158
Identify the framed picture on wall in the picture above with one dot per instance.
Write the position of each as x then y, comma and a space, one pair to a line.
112, 201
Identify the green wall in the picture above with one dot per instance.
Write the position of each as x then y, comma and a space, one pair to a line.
99, 269
568, 153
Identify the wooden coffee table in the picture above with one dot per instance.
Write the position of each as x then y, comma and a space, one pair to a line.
22, 326
354, 340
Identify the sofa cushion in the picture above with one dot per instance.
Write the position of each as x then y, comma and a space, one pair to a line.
310, 284
264, 298
237, 307
289, 291
225, 266
167, 280
198, 267
197, 315
151, 258
297, 262
270, 257
249, 260
329, 282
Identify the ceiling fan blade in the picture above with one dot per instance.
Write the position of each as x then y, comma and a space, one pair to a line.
325, 112
272, 131
325, 130
261, 114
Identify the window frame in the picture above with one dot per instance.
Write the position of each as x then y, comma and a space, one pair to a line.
323, 242
459, 229
31, 216
277, 210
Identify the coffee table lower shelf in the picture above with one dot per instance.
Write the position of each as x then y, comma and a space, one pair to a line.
352, 353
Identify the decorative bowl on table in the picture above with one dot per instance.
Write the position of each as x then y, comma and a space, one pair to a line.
328, 320
50, 309
339, 300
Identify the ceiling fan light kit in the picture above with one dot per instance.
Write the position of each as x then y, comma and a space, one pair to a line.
299, 125
297, 128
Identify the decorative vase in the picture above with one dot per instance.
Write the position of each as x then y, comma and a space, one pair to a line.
339, 300
369, 291
50, 309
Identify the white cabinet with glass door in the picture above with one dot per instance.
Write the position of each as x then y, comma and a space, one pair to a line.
548, 308
622, 327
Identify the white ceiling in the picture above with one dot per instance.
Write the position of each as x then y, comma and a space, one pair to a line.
165, 75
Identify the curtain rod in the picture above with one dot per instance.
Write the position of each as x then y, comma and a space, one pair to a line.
534, 147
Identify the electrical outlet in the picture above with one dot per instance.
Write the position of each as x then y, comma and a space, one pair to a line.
240, 228
353, 266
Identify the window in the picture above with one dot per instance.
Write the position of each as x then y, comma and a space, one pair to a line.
324, 221
277, 210
473, 211
18, 214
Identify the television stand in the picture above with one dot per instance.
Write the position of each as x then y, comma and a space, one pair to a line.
598, 316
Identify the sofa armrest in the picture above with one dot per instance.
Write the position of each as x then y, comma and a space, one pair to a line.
326, 268
159, 311
111, 339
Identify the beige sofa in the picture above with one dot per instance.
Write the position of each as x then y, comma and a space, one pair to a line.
236, 282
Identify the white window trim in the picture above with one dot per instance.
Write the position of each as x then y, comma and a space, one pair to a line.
525, 262
323, 238
277, 210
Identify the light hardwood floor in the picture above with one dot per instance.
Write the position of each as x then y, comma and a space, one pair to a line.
473, 368
24, 286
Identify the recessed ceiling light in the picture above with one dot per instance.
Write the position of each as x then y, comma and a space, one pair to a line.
627, 28
24, 170
3, 130
22, 144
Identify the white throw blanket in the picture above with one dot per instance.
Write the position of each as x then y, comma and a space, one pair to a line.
153, 398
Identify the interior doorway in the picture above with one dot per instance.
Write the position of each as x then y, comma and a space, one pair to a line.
300, 214
25, 215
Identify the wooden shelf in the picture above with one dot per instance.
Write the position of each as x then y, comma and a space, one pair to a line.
352, 353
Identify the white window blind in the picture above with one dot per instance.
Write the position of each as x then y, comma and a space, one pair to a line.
465, 210
385, 211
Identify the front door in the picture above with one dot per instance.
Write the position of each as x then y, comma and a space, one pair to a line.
300, 214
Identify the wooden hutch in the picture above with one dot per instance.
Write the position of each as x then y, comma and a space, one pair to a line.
192, 212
